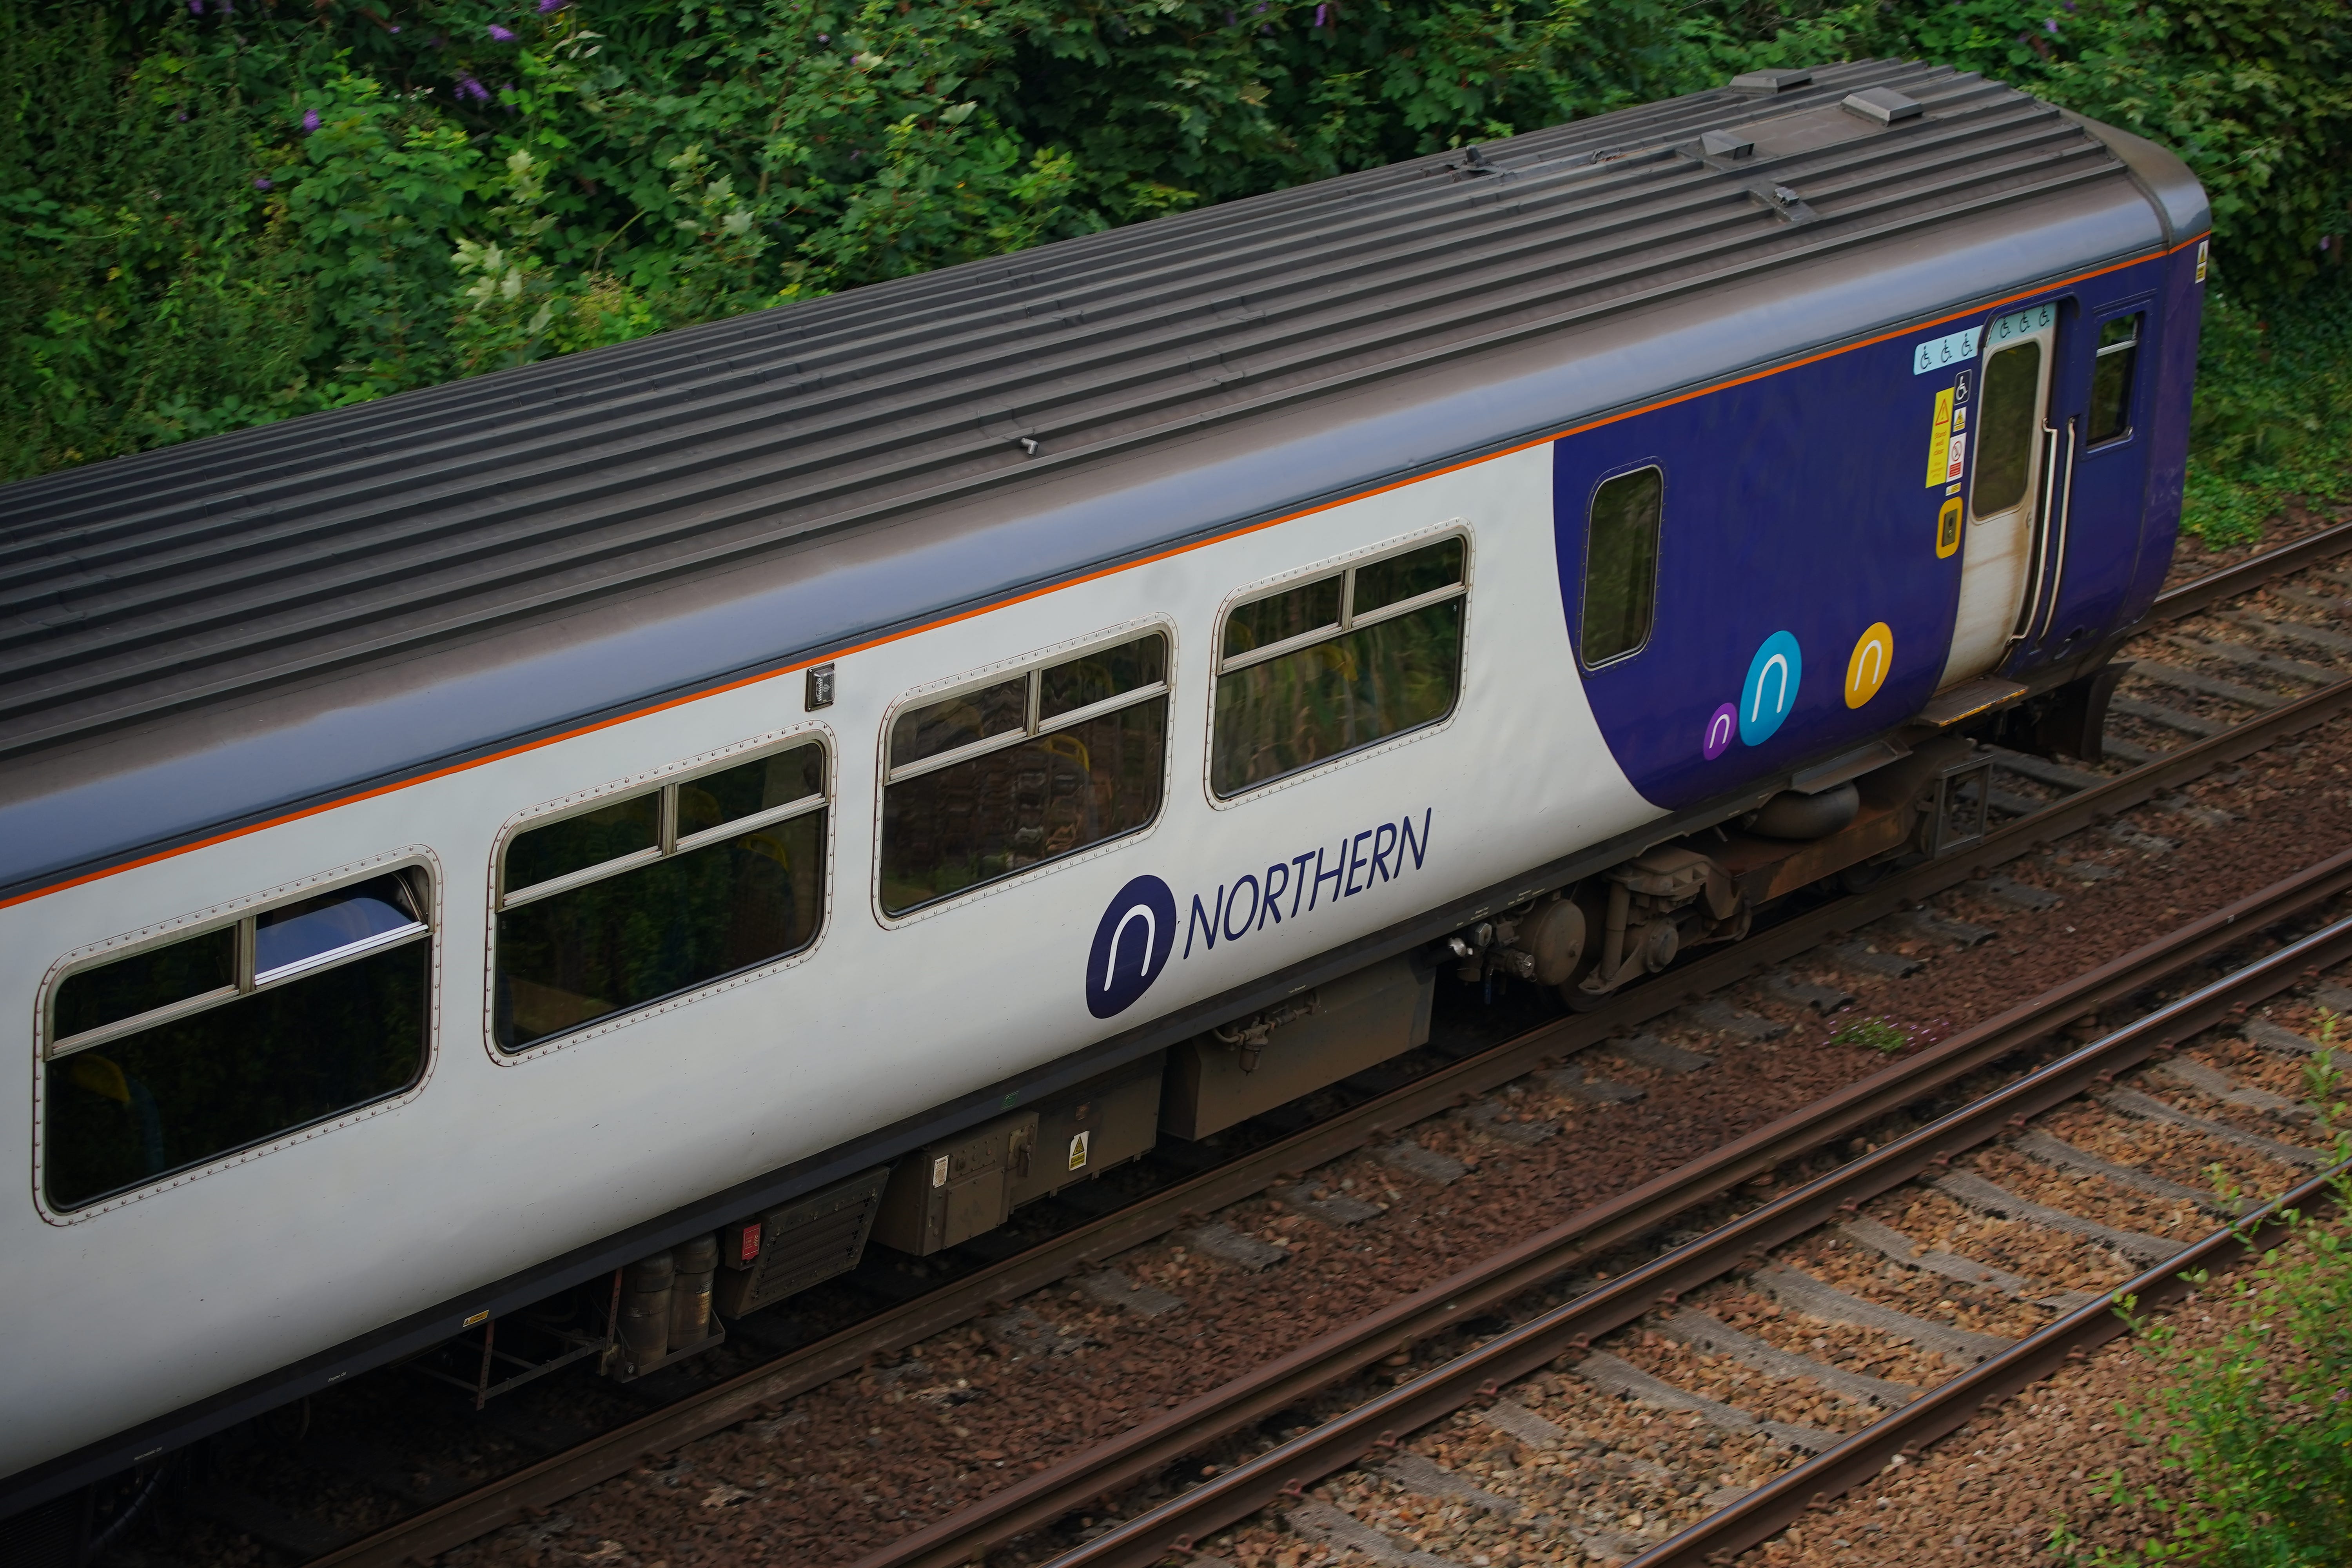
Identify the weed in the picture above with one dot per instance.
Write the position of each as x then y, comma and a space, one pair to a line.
2254, 1431
1879, 1035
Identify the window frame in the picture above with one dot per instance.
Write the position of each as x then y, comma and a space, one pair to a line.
1030, 668
2144, 309
416, 863
248, 979
1346, 567
1657, 566
667, 844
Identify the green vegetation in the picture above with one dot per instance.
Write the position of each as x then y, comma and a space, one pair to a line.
2254, 1428
2274, 415
218, 212
1878, 1033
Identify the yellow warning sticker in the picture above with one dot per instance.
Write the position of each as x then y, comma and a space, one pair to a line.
1939, 441
1947, 528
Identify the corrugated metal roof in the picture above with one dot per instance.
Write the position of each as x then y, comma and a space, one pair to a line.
149, 585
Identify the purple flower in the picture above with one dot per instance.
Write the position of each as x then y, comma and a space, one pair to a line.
196, 7
548, 7
261, 183
1321, 12
395, 26
501, 34
825, 37
310, 121
469, 88
182, 117
2051, 24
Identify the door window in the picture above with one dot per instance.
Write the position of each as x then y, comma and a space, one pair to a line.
2012, 395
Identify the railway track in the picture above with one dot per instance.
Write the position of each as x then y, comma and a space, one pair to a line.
1754, 1258
2039, 804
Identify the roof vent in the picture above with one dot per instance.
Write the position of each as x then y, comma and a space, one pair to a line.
1725, 144
1763, 84
1883, 104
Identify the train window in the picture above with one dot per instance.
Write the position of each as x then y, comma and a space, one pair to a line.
642, 898
2005, 430
1032, 767
2111, 378
1621, 565
1325, 668
170, 1057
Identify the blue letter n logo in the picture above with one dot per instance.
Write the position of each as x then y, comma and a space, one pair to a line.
1131, 946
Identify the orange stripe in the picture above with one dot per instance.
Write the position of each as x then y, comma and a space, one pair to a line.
990, 609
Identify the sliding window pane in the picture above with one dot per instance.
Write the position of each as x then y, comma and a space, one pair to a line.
1305, 706
138, 1108
1408, 576
2111, 379
294, 932
998, 710
1102, 676
144, 982
1265, 622
749, 789
1007, 810
652, 930
576, 843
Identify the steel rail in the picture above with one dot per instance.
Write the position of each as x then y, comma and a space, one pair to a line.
2251, 573
514, 1496
1944, 1409
1231, 1496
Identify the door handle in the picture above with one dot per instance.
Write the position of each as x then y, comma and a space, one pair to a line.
2049, 541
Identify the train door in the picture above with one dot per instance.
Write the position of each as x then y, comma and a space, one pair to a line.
2012, 449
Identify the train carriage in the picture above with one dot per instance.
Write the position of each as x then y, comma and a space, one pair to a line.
690, 813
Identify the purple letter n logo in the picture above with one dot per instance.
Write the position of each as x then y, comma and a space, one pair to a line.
1131, 946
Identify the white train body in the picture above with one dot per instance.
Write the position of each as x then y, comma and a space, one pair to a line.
494, 1162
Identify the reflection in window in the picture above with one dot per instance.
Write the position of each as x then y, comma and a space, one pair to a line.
2111, 378
699, 878
963, 804
2007, 415
172, 1057
1385, 658
1621, 565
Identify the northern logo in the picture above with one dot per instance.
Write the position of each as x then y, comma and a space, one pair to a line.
1131, 946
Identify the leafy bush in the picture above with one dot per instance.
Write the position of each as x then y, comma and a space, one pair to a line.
217, 213
2256, 1437
2274, 415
